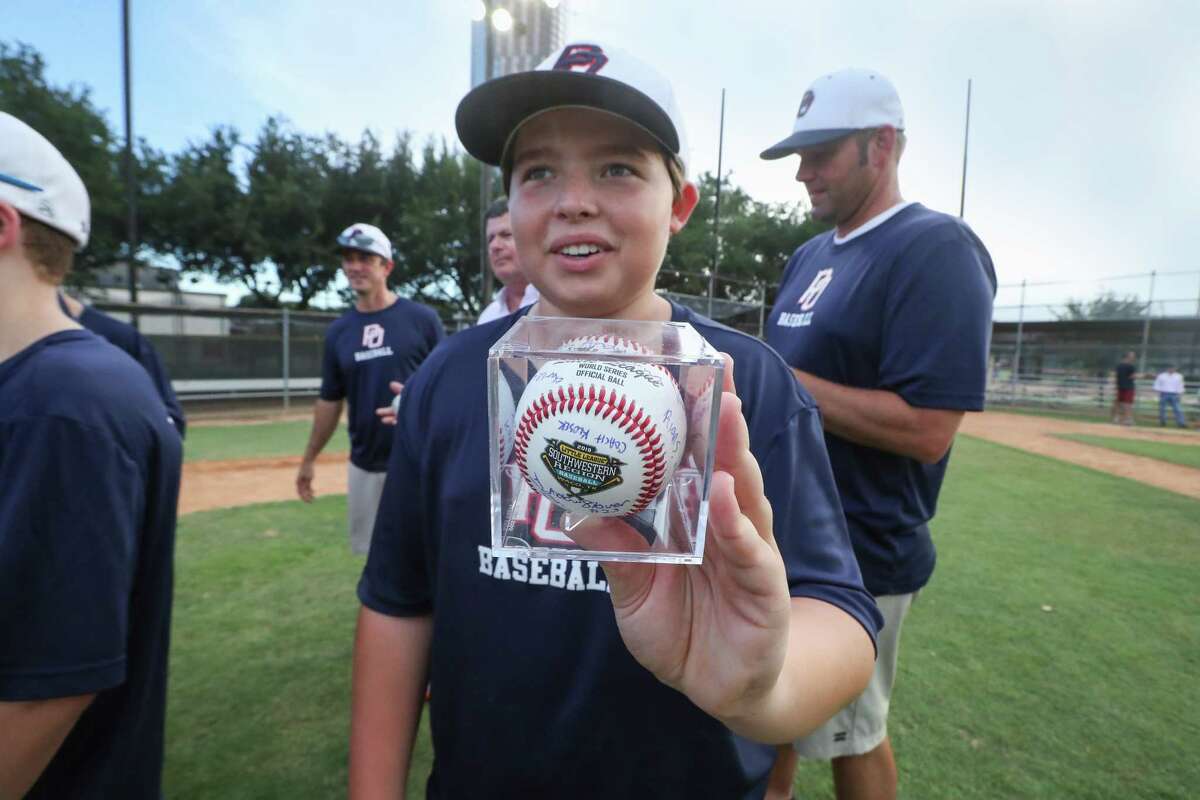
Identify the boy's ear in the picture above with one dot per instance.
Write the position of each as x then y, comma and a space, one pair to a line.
684, 205
10, 226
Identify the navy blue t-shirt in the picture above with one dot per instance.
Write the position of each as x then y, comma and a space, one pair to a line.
905, 307
1125, 373
534, 693
128, 338
89, 465
365, 352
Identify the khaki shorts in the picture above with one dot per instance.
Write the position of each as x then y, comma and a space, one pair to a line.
861, 726
362, 502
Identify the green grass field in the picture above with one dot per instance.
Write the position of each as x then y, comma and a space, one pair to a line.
1144, 415
258, 440
1187, 454
997, 697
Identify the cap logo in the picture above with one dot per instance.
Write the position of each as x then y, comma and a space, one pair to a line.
46, 210
805, 103
20, 184
587, 58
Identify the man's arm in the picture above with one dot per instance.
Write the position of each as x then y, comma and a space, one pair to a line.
391, 665
883, 420
30, 734
326, 414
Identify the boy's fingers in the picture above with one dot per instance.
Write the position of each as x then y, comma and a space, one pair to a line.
734, 457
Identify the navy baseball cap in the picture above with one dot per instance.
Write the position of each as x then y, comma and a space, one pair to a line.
582, 74
838, 105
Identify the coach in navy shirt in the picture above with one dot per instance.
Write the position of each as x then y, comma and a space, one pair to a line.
886, 322
138, 347
89, 470
369, 352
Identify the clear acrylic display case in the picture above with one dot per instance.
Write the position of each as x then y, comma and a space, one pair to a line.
602, 436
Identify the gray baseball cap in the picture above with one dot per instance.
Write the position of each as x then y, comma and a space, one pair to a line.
37, 180
838, 105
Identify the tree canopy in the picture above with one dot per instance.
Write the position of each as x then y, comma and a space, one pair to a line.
263, 213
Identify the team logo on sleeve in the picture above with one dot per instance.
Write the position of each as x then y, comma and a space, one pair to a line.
806, 302
587, 58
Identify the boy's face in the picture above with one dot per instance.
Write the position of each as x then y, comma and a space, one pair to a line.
592, 209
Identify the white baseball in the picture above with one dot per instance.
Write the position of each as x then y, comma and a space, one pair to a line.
600, 437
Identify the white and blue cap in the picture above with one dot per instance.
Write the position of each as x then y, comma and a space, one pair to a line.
838, 105
582, 74
37, 181
367, 238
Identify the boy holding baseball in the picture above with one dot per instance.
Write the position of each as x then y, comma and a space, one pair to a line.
565, 679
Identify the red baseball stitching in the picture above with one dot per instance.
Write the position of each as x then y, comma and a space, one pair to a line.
609, 406
615, 341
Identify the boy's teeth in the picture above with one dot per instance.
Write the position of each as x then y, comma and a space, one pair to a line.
580, 249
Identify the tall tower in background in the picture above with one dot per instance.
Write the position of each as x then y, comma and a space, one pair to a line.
537, 30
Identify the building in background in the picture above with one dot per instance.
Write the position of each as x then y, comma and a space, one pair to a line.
536, 31
157, 286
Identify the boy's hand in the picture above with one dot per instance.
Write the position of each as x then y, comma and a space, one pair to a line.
717, 631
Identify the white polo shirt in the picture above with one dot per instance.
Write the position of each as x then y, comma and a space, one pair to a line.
1169, 383
499, 306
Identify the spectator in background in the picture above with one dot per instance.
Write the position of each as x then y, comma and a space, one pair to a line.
369, 352
516, 290
1126, 388
128, 338
1169, 385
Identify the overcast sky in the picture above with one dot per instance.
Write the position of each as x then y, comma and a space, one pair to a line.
1083, 162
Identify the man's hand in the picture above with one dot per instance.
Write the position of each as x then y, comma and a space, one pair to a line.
304, 479
387, 414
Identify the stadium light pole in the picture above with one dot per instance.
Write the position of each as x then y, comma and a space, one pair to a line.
962, 197
130, 177
485, 172
712, 275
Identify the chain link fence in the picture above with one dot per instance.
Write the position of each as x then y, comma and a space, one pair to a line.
1054, 343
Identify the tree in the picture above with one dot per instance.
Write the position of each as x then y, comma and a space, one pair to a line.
69, 119
1106, 306
756, 241
438, 233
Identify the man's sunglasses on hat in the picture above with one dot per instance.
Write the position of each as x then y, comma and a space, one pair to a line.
357, 240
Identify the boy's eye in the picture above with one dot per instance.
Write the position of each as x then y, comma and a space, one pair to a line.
535, 173
618, 171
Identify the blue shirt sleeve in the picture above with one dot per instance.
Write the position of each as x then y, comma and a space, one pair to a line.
69, 517
396, 578
938, 322
148, 357
333, 383
436, 332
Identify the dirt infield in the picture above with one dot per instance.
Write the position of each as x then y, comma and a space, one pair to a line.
1037, 435
225, 484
